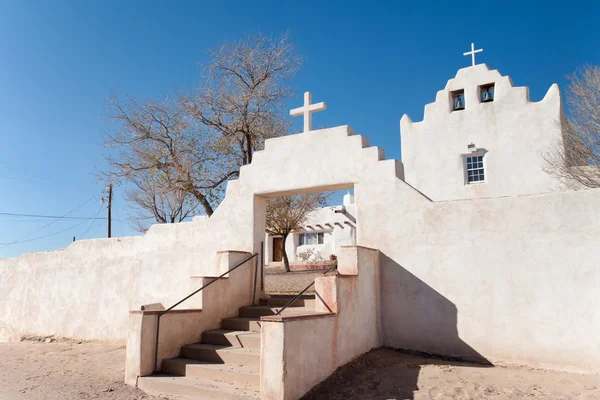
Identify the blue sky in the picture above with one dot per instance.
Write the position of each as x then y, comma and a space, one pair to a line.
371, 63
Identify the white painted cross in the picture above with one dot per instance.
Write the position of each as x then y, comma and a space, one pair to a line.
307, 109
472, 53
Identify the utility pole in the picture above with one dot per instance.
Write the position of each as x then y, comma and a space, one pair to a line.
109, 207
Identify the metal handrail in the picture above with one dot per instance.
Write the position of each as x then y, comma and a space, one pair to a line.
334, 266
255, 255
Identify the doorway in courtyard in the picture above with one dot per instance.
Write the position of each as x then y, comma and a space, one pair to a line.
303, 233
277, 246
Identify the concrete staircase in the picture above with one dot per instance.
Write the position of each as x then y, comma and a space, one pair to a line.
226, 363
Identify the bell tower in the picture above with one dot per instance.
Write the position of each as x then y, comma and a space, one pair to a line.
482, 137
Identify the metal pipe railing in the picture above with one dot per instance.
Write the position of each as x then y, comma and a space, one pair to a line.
334, 266
255, 255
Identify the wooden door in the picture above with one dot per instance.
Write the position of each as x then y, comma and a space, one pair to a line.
277, 253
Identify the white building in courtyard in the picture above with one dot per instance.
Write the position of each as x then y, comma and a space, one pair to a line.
325, 231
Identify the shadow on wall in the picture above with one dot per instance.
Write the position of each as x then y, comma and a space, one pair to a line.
421, 324
418, 318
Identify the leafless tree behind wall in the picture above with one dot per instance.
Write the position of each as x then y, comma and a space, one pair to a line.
241, 96
200, 140
576, 159
151, 205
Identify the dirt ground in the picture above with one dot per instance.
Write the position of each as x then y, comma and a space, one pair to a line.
389, 374
65, 371
94, 370
289, 283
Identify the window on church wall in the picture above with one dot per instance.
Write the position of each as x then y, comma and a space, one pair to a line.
486, 93
475, 169
311, 238
458, 100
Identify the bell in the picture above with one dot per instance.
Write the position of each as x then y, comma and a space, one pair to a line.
487, 96
458, 103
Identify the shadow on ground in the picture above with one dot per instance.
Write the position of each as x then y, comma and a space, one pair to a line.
380, 374
415, 316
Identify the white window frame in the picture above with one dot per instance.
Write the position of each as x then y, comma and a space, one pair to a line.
302, 238
474, 166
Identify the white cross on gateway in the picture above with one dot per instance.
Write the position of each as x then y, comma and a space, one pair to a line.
307, 109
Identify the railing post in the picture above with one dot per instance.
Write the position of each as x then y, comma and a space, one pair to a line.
255, 277
262, 267
156, 344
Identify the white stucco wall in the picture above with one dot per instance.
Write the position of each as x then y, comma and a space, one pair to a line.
86, 290
511, 279
297, 353
513, 132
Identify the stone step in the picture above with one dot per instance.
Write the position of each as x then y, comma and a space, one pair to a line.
241, 324
261, 311
280, 301
225, 337
194, 389
221, 354
234, 374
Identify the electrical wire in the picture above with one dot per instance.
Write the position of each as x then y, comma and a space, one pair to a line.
92, 223
45, 216
45, 236
20, 240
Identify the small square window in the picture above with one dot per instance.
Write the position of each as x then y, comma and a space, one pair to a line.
486, 93
475, 169
458, 100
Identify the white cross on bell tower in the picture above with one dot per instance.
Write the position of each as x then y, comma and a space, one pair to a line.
307, 109
472, 53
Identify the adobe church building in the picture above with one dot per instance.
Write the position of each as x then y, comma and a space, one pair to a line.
466, 249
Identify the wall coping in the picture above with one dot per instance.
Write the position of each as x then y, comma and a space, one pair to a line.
358, 246
299, 317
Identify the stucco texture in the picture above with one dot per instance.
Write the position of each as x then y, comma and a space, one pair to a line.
298, 354
86, 290
511, 132
512, 278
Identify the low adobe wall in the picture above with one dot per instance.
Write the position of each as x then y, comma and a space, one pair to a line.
512, 279
297, 267
297, 353
86, 290
179, 327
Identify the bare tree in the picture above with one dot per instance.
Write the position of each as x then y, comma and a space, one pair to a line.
160, 140
288, 213
576, 159
152, 205
241, 96
201, 140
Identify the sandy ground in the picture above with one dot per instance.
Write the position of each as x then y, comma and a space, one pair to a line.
65, 371
94, 370
388, 374
290, 282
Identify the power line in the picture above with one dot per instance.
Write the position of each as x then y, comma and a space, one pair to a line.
92, 223
45, 236
46, 216
48, 224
